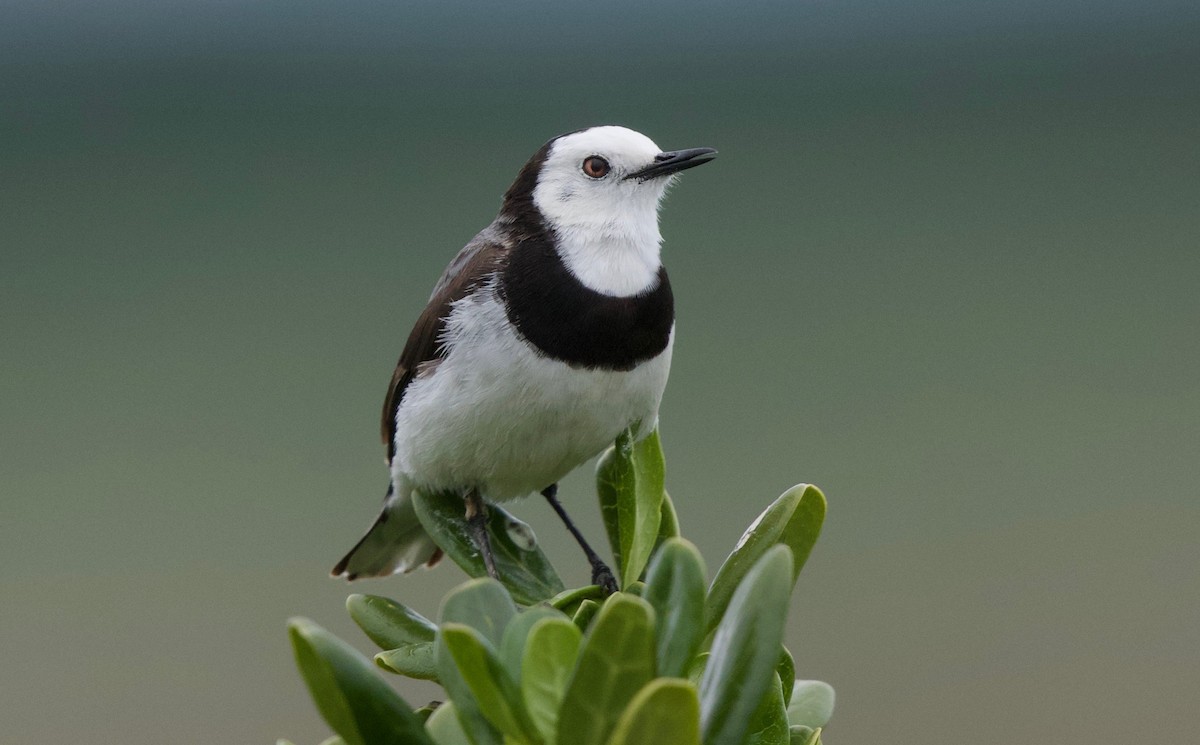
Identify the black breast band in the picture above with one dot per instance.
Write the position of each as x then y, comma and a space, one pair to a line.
573, 323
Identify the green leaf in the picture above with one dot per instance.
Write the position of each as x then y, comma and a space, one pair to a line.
412, 660
523, 569
512, 646
568, 600
585, 613
474, 724
484, 605
769, 724
811, 704
549, 657
801, 735
355, 702
335, 740
629, 482
668, 526
616, 660
614, 482
665, 712
443, 726
388, 623
481, 604
494, 690
745, 649
696, 667
675, 589
794, 519
787, 672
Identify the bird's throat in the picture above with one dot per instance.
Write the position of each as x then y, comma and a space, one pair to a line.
620, 264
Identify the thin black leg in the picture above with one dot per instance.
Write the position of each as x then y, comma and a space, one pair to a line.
477, 522
601, 574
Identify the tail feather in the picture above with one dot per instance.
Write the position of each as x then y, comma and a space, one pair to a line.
395, 543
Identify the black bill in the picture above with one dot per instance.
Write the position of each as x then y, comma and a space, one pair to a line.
673, 162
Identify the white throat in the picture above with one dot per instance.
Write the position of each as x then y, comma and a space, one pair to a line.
614, 259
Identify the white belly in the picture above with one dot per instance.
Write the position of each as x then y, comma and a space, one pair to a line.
498, 417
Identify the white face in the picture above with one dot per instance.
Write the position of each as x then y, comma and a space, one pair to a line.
607, 225
582, 183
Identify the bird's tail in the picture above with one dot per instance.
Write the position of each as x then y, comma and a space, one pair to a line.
395, 543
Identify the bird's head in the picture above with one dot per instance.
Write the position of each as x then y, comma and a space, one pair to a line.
597, 191
602, 179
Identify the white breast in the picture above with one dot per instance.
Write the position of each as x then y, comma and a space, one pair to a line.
497, 416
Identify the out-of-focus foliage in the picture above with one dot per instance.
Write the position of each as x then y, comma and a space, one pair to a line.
525, 662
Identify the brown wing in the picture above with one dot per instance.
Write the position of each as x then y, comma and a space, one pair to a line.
423, 350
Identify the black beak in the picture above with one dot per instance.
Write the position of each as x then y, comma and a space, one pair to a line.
673, 162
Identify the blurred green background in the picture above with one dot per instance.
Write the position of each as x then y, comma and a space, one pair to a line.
946, 267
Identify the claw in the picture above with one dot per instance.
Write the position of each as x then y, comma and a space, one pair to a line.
603, 576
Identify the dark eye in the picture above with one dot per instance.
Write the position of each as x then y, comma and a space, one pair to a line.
596, 167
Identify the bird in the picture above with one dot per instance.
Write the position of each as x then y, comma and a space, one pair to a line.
548, 335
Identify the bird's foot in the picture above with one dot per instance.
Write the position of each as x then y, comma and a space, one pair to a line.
603, 576
477, 523
484, 544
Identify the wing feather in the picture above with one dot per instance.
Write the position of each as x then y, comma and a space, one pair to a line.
476, 261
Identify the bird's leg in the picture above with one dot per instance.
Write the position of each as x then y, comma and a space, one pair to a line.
601, 574
477, 522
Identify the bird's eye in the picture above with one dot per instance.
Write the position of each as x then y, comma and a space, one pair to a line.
596, 167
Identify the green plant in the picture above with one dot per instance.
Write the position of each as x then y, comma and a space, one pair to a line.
525, 661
